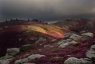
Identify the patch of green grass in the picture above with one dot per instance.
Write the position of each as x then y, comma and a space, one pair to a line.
27, 47
45, 28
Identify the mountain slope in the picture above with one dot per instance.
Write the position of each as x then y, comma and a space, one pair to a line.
34, 42
18, 33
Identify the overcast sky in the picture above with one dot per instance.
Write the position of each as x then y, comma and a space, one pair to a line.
46, 10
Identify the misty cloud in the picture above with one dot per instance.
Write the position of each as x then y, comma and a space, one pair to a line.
46, 9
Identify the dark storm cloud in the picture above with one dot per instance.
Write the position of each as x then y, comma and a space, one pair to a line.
46, 9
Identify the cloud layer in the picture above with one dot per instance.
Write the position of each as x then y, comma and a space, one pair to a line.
46, 9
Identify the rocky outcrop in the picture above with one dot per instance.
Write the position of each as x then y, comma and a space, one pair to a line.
88, 34
12, 51
73, 60
29, 58
4, 61
75, 37
65, 43
34, 56
67, 34
91, 53
9, 55
21, 61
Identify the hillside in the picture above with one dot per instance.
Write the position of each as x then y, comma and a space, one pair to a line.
77, 23
35, 42
17, 33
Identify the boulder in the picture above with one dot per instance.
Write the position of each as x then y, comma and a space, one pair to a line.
73, 60
62, 41
67, 34
69, 40
91, 53
4, 61
65, 43
75, 37
20, 61
93, 47
12, 51
88, 34
34, 56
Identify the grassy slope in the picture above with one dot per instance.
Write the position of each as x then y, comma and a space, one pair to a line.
16, 34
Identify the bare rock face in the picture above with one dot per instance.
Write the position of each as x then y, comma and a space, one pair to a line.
73, 60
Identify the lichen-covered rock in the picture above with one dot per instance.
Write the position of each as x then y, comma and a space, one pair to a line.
73, 60
12, 51
91, 53
75, 37
65, 43
29, 58
4, 61
62, 41
93, 47
20, 61
67, 34
88, 34
34, 56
